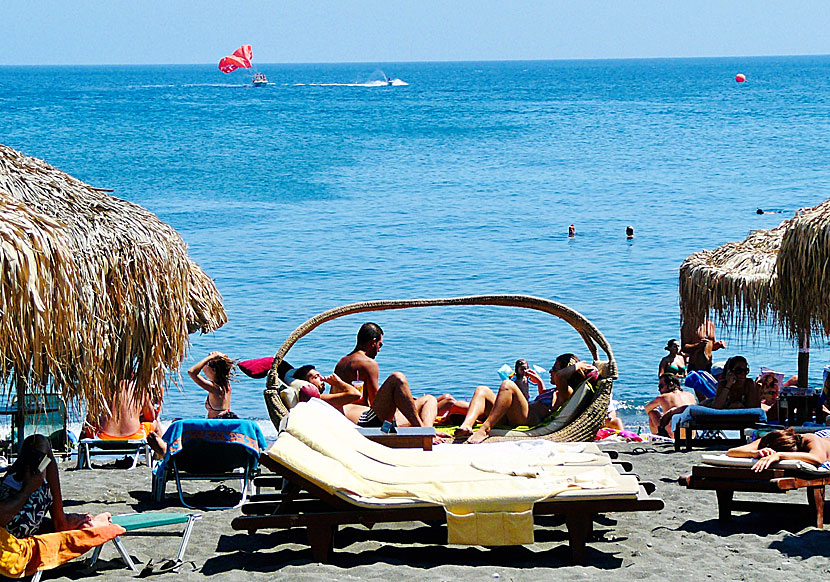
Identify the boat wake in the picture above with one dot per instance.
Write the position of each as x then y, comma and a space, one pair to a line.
392, 83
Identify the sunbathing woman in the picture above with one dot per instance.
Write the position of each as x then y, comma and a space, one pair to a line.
813, 448
567, 373
481, 404
735, 390
213, 373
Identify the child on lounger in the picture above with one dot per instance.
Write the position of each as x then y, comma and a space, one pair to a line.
813, 448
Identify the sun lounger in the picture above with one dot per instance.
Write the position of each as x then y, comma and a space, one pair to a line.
136, 448
727, 475
142, 521
350, 480
707, 420
209, 450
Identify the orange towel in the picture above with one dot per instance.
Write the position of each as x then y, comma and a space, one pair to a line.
146, 428
24, 557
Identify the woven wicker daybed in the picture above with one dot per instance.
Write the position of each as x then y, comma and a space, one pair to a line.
583, 428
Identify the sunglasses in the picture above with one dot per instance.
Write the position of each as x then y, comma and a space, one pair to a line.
741, 370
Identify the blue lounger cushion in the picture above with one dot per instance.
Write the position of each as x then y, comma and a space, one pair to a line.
697, 412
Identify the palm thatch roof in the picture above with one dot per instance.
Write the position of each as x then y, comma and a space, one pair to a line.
738, 281
804, 271
781, 275
94, 289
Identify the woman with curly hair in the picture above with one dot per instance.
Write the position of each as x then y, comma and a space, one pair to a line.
213, 373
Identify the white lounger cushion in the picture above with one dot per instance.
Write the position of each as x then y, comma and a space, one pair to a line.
725, 461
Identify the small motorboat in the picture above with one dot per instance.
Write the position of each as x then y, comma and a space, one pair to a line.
260, 80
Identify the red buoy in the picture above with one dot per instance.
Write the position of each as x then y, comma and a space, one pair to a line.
740, 78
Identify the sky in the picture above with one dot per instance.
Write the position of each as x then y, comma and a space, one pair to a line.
57, 32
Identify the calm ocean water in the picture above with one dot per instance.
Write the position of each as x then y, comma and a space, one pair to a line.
317, 191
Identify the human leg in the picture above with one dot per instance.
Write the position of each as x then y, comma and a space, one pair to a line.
394, 394
654, 417
156, 443
427, 408
510, 402
481, 403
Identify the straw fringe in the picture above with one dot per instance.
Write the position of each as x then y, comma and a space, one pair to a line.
804, 272
778, 276
94, 289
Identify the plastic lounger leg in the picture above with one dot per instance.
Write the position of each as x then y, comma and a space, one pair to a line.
188, 529
119, 545
148, 456
135, 459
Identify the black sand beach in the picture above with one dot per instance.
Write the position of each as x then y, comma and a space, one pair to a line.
684, 540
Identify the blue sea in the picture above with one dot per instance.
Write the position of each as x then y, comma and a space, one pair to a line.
326, 187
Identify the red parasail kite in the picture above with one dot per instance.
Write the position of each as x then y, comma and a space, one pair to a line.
240, 59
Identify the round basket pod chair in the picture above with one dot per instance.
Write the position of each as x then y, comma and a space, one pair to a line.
584, 425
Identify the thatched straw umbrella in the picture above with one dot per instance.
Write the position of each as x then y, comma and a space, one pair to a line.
778, 275
94, 289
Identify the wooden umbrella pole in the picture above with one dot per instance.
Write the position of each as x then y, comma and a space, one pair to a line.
20, 415
803, 359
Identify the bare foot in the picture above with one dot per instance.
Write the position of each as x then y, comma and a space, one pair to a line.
463, 433
101, 519
157, 444
479, 436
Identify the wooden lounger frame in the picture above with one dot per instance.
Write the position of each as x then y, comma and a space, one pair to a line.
725, 481
320, 513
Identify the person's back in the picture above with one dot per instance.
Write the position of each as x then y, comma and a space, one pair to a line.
360, 363
676, 398
125, 419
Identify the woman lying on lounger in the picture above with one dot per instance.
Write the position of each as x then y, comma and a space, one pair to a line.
778, 445
511, 403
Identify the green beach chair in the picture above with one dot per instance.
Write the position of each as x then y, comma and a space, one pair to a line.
142, 521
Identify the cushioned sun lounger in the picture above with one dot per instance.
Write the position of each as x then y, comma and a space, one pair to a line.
704, 420
728, 475
487, 498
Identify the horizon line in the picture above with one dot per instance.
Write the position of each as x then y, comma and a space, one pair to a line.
170, 64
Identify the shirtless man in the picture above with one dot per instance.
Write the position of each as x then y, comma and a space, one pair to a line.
379, 403
672, 400
698, 345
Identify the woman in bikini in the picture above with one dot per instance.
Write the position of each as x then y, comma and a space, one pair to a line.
778, 445
674, 363
567, 373
735, 390
213, 373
